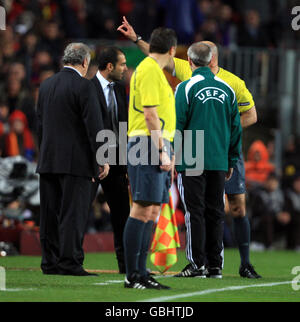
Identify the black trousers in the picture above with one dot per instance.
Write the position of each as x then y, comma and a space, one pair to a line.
203, 199
65, 204
115, 188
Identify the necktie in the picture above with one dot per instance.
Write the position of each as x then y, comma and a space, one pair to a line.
112, 110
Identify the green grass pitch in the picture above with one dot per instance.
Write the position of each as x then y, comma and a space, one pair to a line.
26, 283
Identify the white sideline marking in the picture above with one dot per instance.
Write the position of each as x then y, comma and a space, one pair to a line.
110, 282
17, 289
209, 291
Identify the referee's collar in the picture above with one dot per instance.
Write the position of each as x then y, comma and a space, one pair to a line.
202, 70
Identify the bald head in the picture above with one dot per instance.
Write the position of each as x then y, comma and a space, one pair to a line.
212, 46
214, 63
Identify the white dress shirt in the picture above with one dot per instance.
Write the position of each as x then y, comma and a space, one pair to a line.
104, 83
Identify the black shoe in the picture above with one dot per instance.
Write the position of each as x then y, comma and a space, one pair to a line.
248, 271
190, 271
85, 273
80, 273
150, 282
51, 272
135, 281
214, 272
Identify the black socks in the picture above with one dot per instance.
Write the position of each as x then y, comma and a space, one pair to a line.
146, 240
241, 227
137, 239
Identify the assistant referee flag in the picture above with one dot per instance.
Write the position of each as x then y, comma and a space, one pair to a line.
166, 238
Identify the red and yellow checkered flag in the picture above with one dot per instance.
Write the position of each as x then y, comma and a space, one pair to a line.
166, 238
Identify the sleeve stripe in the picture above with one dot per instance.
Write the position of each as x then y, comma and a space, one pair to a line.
191, 83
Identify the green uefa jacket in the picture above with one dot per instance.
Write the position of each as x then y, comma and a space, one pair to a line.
207, 103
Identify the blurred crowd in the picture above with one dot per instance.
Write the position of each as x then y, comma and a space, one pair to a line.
274, 195
30, 51
37, 31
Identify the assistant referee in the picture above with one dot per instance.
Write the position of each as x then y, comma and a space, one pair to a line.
151, 128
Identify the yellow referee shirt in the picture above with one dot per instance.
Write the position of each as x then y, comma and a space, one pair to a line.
243, 96
149, 87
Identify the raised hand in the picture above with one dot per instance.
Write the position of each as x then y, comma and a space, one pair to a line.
127, 30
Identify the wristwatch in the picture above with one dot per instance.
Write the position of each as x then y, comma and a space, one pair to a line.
163, 149
138, 38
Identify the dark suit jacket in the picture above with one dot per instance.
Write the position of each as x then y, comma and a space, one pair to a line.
120, 93
69, 119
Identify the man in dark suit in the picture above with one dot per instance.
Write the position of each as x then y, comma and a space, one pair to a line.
113, 102
69, 119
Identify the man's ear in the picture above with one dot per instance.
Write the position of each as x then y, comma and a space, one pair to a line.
172, 51
214, 61
85, 63
110, 67
190, 61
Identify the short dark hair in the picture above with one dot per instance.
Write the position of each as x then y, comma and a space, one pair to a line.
162, 39
108, 55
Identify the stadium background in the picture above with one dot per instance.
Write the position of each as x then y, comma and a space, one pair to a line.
256, 42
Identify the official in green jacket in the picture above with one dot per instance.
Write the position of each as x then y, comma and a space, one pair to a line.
206, 106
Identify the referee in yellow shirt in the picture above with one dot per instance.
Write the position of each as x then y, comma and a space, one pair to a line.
151, 129
235, 187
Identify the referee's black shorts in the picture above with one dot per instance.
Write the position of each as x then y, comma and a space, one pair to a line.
203, 200
148, 182
236, 184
